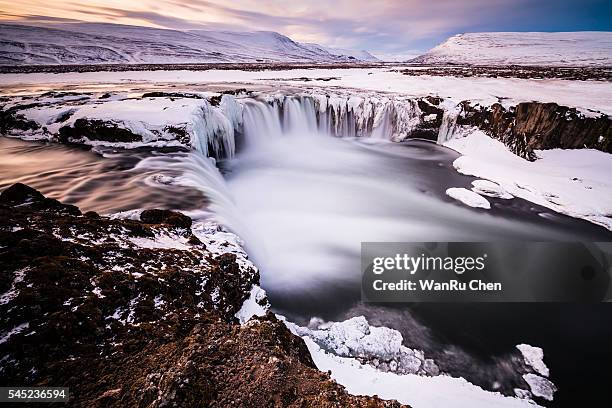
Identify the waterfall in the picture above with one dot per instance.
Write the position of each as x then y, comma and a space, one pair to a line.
261, 120
214, 128
449, 123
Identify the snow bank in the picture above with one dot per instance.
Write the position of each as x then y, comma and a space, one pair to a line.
572, 182
418, 391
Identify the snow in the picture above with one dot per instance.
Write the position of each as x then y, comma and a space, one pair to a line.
491, 189
360, 55
162, 241
540, 386
367, 360
418, 391
534, 357
572, 182
355, 337
13, 292
529, 48
378, 346
396, 57
208, 128
219, 241
252, 306
583, 95
15, 330
99, 43
468, 197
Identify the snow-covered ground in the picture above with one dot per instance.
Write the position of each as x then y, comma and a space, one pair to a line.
584, 95
99, 43
535, 48
417, 391
572, 182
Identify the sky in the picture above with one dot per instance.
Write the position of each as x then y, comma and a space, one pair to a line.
383, 27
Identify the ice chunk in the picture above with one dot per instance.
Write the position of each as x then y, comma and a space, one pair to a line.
491, 189
534, 357
540, 386
468, 197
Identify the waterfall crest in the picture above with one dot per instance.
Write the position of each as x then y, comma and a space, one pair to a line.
236, 121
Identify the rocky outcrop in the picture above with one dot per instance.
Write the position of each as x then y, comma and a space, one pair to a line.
531, 126
11, 120
141, 313
96, 129
431, 115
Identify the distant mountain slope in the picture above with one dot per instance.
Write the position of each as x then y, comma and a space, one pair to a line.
98, 43
360, 55
553, 49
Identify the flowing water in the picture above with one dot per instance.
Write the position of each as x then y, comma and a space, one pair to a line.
303, 201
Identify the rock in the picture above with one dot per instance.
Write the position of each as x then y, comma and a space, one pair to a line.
529, 126
91, 303
174, 218
431, 118
171, 95
21, 195
96, 129
10, 120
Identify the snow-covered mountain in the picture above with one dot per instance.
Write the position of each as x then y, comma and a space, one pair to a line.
536, 48
361, 55
99, 43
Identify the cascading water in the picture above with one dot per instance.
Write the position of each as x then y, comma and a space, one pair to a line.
304, 201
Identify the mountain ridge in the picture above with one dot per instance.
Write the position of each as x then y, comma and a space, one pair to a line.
580, 48
104, 43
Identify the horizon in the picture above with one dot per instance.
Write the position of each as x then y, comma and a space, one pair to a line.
391, 28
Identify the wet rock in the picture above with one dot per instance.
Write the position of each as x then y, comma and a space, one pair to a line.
533, 125
22, 195
19, 193
431, 119
215, 100
10, 120
173, 218
171, 95
95, 304
180, 134
96, 129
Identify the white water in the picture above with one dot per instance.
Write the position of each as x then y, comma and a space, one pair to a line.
304, 200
